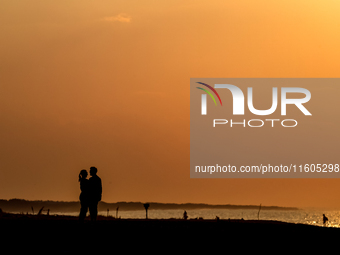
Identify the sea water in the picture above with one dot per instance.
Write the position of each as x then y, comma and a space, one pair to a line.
304, 216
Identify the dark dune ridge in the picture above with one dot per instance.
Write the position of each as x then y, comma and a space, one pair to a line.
64, 234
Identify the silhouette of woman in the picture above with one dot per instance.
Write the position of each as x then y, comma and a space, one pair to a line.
84, 195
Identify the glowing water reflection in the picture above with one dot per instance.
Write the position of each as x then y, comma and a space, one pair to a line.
304, 216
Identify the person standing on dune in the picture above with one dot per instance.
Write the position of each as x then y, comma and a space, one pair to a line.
95, 193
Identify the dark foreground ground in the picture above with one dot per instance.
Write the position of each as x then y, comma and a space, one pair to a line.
27, 234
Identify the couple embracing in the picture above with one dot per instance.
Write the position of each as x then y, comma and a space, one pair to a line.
91, 193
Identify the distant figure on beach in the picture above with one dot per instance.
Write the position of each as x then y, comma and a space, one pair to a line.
95, 193
325, 219
84, 195
185, 215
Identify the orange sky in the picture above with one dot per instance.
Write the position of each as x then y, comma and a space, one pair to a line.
87, 83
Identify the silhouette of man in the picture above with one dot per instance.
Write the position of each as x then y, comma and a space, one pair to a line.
95, 193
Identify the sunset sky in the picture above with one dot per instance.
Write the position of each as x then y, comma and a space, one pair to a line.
93, 83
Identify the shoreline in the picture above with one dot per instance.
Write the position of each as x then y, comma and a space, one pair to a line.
141, 216
22, 205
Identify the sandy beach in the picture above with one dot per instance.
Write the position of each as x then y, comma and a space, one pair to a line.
65, 235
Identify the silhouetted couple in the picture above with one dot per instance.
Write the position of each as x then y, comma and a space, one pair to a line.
91, 193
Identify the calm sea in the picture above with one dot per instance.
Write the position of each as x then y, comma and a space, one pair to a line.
305, 216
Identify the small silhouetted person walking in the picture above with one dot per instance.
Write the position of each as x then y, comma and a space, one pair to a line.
84, 195
95, 193
325, 219
185, 215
